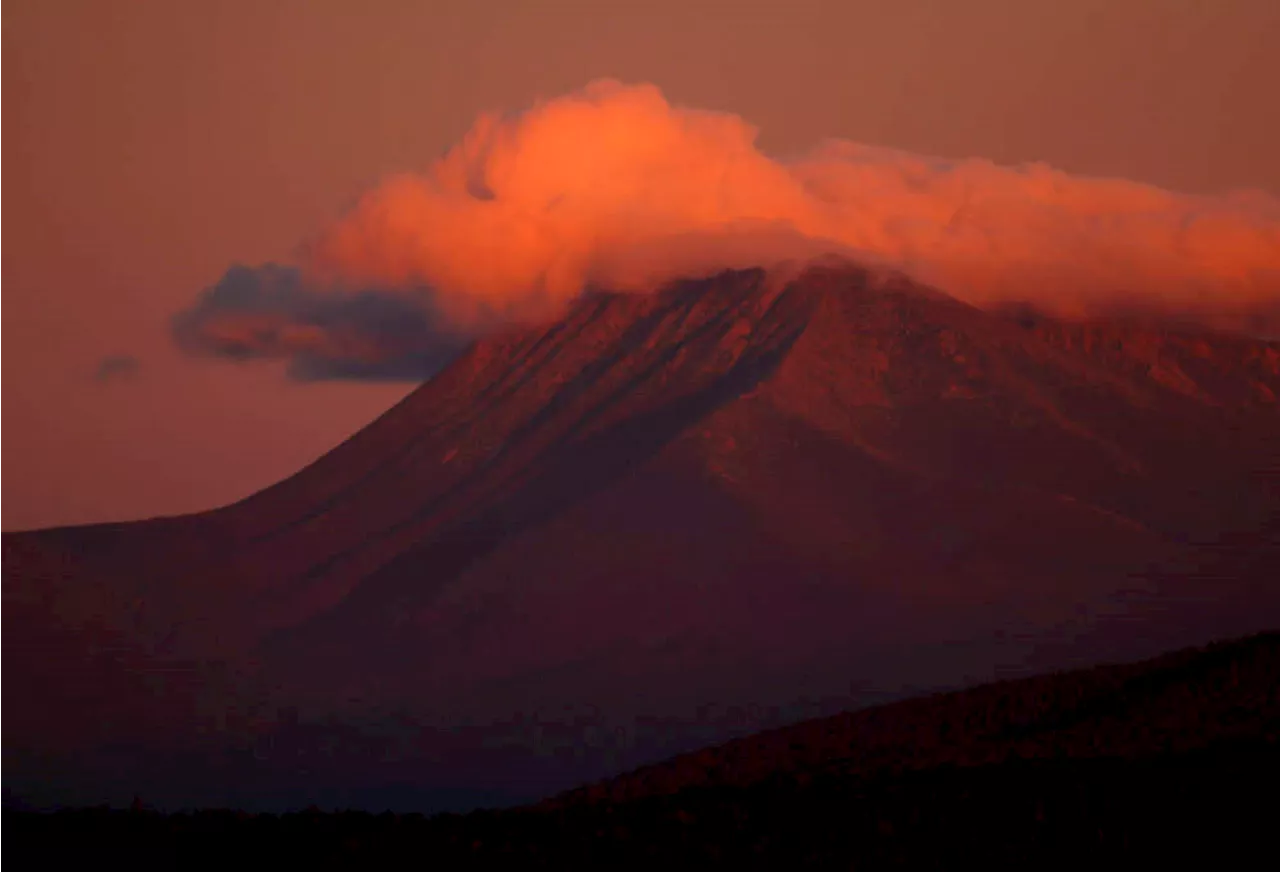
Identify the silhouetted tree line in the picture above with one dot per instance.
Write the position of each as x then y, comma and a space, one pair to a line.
1209, 806
1166, 764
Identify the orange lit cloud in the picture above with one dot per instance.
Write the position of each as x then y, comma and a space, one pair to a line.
613, 186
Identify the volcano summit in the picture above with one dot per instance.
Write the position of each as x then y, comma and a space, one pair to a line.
664, 519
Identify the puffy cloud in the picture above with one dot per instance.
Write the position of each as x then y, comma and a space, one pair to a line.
613, 186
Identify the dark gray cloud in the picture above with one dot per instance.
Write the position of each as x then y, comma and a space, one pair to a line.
270, 312
116, 367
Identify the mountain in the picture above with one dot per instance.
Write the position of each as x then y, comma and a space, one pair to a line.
663, 520
1170, 761
1226, 694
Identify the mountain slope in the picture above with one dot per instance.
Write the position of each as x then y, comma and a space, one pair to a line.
1226, 693
628, 532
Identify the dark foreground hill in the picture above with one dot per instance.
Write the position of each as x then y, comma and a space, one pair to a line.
662, 521
1161, 764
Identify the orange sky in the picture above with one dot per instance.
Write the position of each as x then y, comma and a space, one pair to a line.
149, 145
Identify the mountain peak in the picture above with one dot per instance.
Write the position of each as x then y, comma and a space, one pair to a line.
746, 488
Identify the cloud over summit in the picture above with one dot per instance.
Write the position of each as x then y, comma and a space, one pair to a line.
613, 186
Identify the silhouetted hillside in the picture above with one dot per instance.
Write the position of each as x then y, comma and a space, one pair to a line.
1150, 765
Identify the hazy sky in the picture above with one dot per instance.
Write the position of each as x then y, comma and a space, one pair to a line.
147, 146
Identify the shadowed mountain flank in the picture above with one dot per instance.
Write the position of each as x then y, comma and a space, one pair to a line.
1184, 701
663, 520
